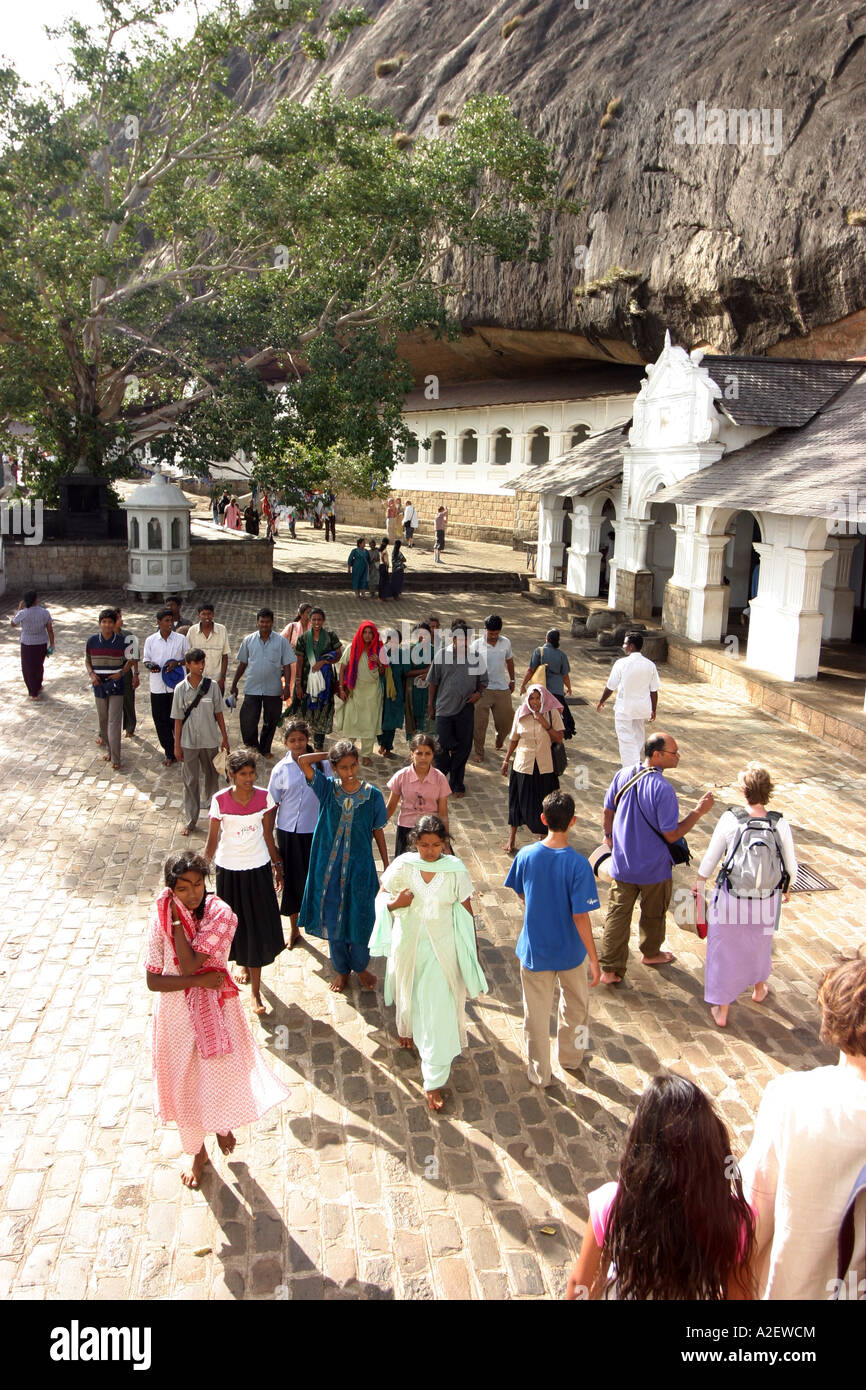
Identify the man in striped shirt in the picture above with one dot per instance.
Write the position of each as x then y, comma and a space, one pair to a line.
107, 665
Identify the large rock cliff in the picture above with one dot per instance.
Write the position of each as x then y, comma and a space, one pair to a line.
748, 247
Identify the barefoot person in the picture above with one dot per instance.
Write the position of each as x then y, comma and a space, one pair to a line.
248, 864
641, 820
537, 727
297, 813
359, 713
341, 885
756, 850
199, 733
208, 1074
105, 659
37, 640
424, 926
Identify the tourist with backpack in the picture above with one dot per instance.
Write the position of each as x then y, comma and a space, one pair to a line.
756, 851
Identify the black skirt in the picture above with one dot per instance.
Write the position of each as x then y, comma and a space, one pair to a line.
526, 792
295, 849
251, 895
567, 721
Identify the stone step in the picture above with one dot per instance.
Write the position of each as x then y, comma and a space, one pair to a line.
428, 581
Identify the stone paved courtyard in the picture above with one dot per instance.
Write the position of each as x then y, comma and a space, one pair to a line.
351, 1190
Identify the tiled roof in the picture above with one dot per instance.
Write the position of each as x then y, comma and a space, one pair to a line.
798, 472
777, 392
598, 460
573, 386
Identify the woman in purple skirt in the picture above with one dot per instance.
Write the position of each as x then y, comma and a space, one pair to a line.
37, 640
740, 929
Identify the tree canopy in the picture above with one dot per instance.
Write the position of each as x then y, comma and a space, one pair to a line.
188, 263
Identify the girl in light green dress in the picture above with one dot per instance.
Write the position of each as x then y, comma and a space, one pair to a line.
425, 929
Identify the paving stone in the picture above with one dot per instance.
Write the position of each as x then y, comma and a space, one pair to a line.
353, 1172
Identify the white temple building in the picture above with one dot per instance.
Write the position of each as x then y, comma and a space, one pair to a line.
737, 476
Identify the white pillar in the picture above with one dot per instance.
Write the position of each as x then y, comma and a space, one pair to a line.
584, 555
551, 519
837, 596
632, 538
707, 607
785, 621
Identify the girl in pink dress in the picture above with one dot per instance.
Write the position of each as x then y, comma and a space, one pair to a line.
208, 1074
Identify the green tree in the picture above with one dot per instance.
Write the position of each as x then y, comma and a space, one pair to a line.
186, 263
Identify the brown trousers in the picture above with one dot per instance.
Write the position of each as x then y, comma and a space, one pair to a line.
654, 901
498, 703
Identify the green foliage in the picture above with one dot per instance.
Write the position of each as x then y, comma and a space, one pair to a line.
164, 253
855, 218
510, 25
384, 67
609, 281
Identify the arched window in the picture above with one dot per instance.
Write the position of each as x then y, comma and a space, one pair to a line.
539, 449
176, 541
578, 434
134, 533
468, 447
437, 446
154, 534
502, 446
411, 454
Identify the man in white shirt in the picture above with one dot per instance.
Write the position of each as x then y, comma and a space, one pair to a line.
808, 1150
636, 682
213, 640
410, 523
494, 655
165, 647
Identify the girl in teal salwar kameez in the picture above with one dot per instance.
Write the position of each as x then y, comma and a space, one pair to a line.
339, 897
425, 929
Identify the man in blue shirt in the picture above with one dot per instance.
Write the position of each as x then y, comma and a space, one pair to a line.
640, 821
266, 657
558, 888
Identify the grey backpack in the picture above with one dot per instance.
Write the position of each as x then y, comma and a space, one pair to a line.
755, 867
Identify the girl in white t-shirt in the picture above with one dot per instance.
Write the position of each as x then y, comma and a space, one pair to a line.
248, 870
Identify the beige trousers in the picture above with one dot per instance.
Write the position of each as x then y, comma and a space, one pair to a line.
572, 1035
498, 703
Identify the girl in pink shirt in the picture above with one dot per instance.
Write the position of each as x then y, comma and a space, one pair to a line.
419, 790
676, 1224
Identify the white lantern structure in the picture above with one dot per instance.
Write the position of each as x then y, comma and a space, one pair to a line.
158, 538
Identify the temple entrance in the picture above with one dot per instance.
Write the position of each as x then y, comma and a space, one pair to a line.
741, 565
661, 545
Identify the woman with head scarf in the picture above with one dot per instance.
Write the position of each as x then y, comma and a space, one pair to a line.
358, 716
537, 725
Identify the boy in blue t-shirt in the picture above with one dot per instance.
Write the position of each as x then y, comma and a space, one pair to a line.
558, 888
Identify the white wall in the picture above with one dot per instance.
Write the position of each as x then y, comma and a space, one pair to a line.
486, 477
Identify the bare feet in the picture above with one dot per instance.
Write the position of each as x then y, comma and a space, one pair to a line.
226, 1142
368, 762
478, 757
720, 1014
760, 992
191, 1177
407, 1043
663, 958
100, 741
609, 978
106, 757
510, 848
367, 978
242, 975
435, 1100
338, 984
187, 829
294, 938
127, 733
259, 1007
116, 767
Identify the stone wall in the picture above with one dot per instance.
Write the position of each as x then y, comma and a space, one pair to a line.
471, 517
675, 609
242, 562
634, 592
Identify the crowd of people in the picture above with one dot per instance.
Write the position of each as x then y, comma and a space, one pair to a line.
300, 844
277, 513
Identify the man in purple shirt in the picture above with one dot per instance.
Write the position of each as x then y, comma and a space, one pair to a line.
639, 828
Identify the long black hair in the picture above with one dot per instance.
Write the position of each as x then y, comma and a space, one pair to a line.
679, 1226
